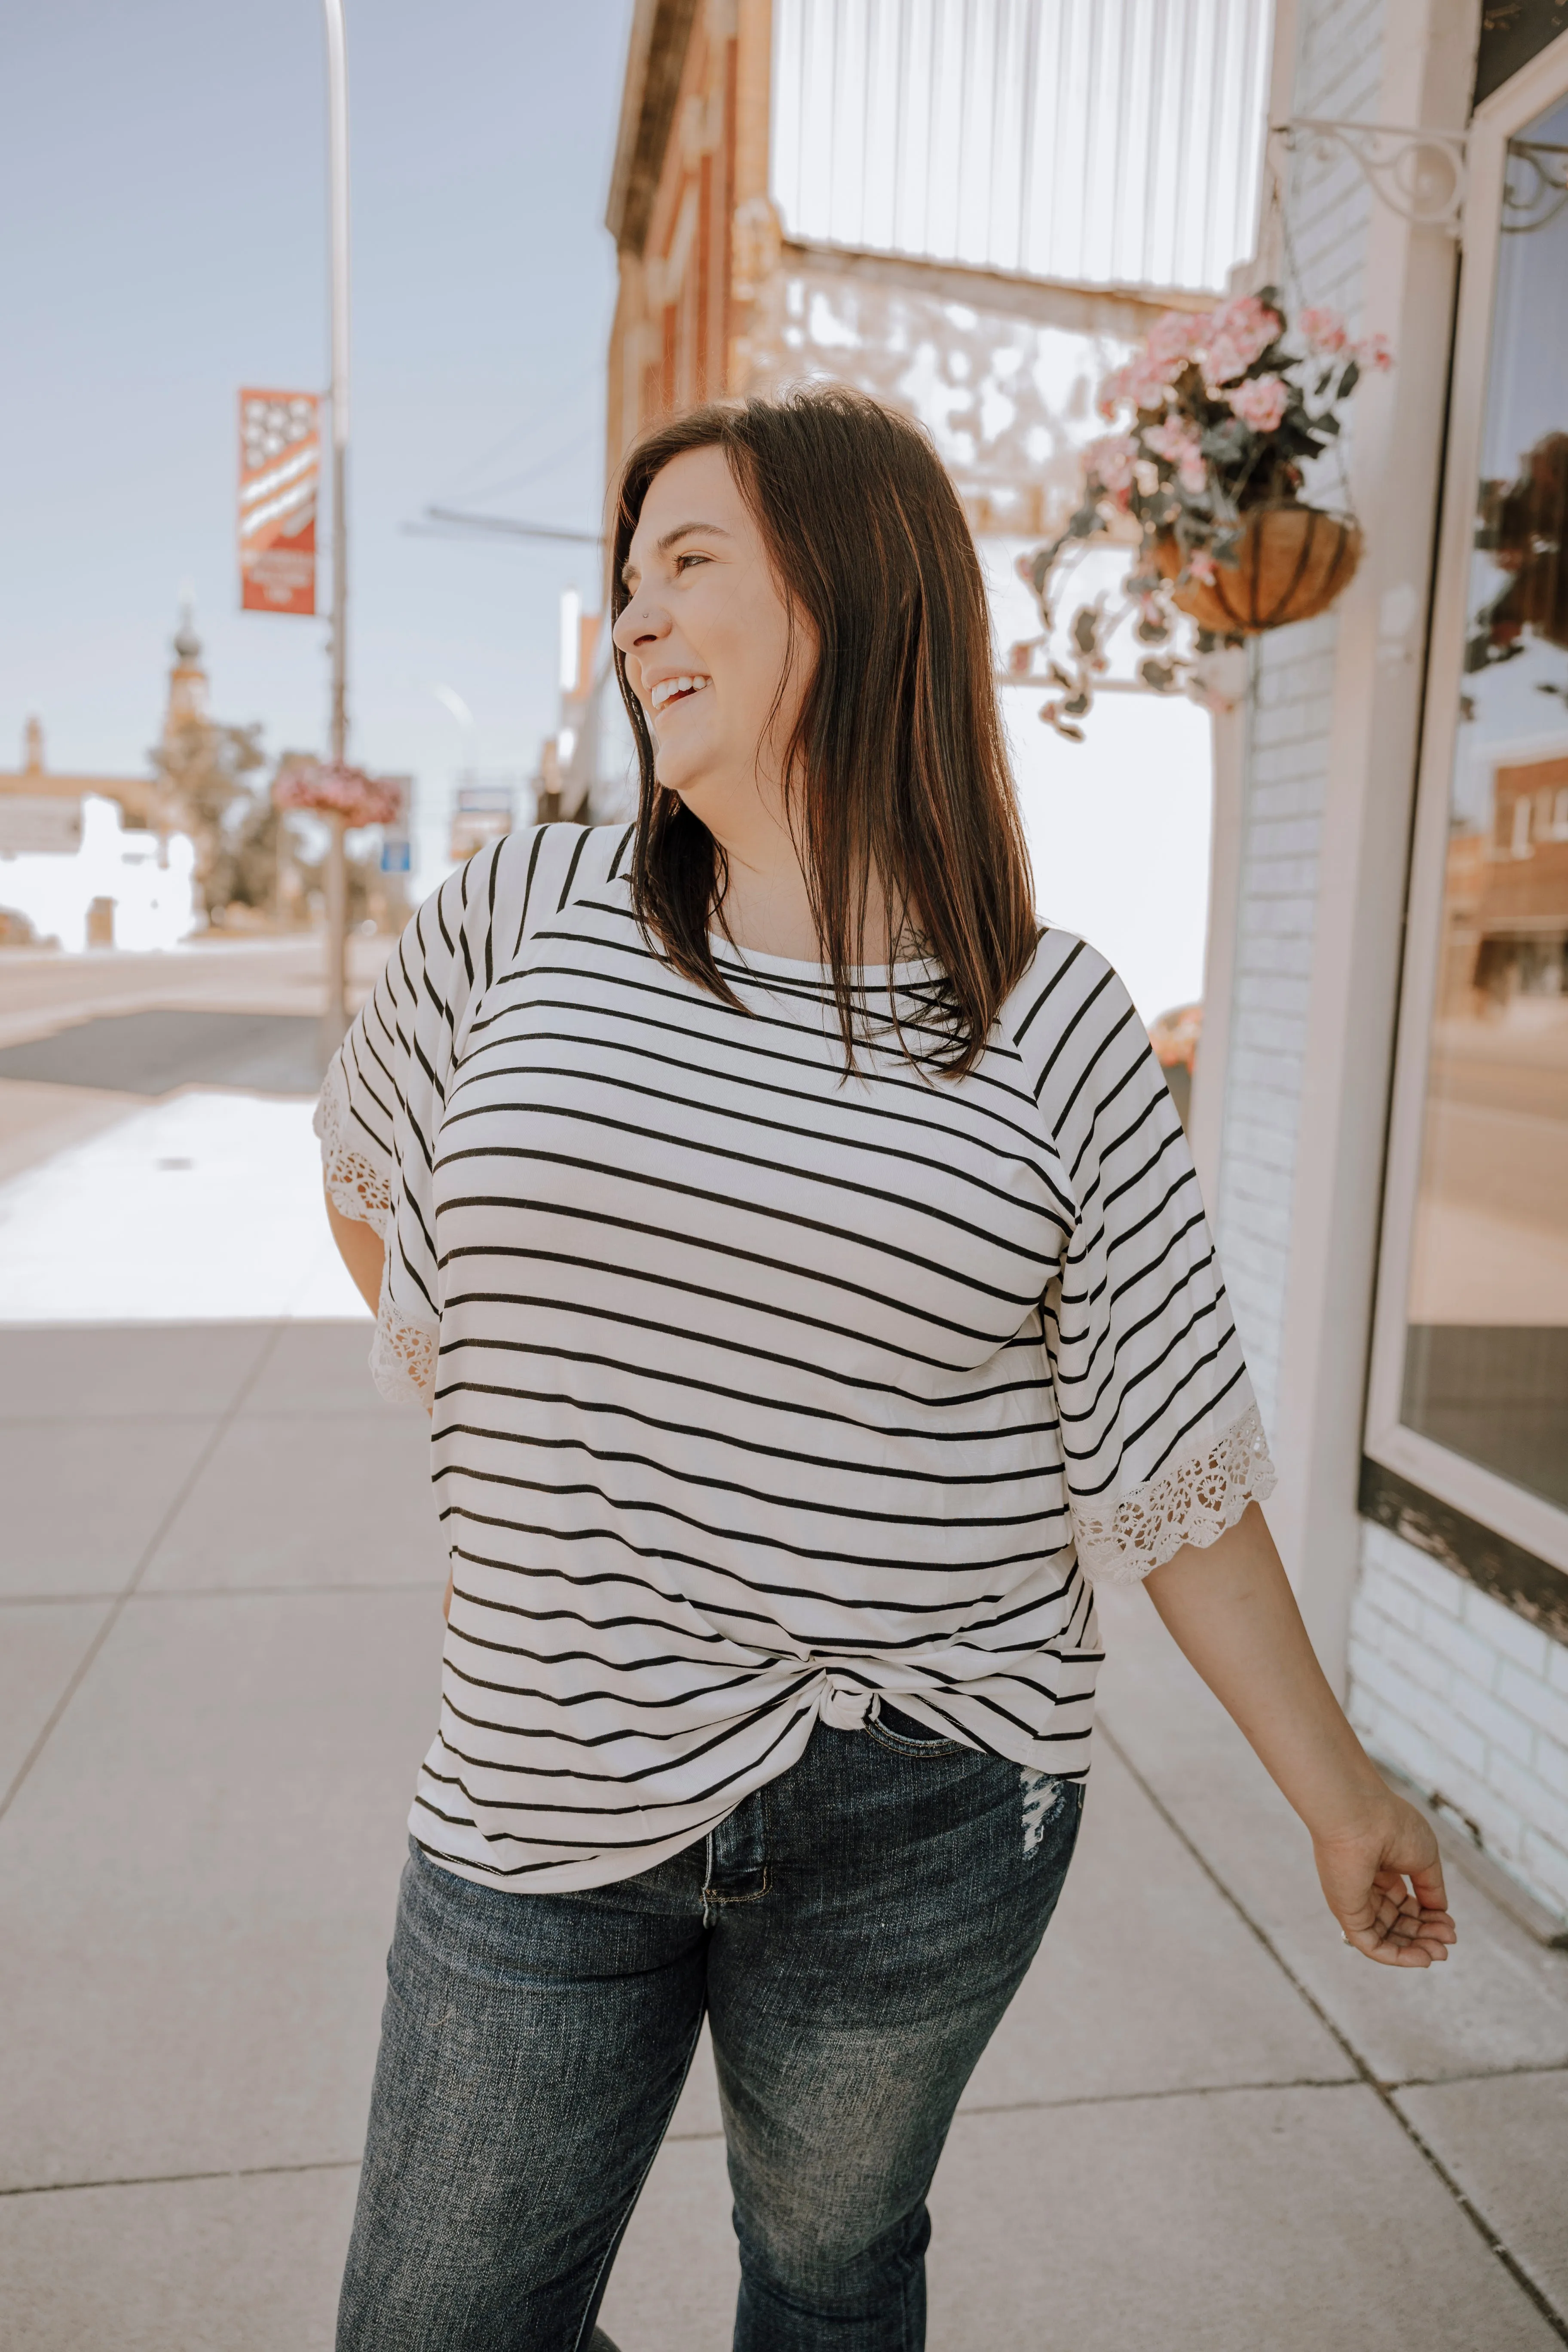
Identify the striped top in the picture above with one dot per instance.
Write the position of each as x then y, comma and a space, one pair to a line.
759, 1390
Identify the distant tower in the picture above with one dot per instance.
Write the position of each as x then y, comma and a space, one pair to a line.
187, 679
33, 747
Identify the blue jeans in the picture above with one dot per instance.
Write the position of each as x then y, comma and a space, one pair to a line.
853, 1932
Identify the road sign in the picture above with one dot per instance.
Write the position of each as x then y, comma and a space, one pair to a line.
482, 815
396, 847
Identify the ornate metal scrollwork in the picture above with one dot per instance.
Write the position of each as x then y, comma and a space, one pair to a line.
1535, 188
1420, 174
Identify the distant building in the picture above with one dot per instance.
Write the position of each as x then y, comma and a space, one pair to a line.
186, 702
975, 236
137, 795
585, 768
93, 861
77, 878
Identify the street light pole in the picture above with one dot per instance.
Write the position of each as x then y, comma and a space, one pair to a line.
335, 1018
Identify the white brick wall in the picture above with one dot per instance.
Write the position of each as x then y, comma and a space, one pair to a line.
1282, 811
1338, 70
1469, 1701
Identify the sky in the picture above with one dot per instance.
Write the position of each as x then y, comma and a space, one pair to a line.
164, 182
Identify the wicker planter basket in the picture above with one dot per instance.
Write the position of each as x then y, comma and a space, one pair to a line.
1293, 560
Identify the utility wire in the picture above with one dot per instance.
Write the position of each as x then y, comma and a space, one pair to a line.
440, 520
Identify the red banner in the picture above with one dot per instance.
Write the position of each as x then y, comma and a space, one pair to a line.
280, 467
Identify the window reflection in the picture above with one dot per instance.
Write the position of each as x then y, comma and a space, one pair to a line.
1486, 1371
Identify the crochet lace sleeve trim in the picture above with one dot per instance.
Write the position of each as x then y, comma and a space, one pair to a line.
356, 1187
403, 1353
403, 1357
1196, 1500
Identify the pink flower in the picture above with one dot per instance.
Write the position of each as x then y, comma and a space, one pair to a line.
1109, 461
1176, 442
1143, 381
1261, 401
1149, 381
1174, 336
1201, 566
1149, 375
1111, 393
1238, 332
1324, 332
1373, 351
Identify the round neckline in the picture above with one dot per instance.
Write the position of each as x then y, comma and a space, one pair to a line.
721, 945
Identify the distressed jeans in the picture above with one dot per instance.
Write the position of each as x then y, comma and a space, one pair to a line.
853, 1932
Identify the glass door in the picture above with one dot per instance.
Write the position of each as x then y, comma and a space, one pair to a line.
1472, 1356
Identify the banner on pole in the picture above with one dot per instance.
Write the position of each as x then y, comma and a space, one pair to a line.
279, 468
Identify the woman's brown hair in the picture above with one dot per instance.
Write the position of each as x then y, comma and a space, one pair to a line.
897, 757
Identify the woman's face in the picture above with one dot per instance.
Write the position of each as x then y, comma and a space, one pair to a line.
706, 641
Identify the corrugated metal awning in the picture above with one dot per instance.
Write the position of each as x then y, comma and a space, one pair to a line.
1099, 143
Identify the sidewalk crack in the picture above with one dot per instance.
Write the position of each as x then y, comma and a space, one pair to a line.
172, 2179
1383, 2092
1474, 2074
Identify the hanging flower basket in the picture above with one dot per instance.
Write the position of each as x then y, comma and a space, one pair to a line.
328, 790
1290, 563
1218, 416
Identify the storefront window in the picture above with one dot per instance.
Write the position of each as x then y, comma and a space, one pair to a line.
1486, 1359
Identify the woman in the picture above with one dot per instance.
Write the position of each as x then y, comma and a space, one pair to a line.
799, 1254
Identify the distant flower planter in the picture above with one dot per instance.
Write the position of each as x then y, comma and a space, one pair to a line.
1291, 562
341, 792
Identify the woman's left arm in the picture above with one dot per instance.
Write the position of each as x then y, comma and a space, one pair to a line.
361, 1249
1231, 1612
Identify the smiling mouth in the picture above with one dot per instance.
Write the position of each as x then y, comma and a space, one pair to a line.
675, 690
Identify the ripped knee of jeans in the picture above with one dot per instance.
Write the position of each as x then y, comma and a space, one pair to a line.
1042, 1795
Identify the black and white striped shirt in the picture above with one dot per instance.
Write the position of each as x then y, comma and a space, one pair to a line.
759, 1388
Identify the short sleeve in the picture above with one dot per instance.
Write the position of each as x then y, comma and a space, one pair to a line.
386, 1085
1161, 1439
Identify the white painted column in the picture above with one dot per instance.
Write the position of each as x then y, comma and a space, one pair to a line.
1205, 1115
1428, 53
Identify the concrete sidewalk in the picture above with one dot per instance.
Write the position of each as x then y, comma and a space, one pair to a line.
1203, 2125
